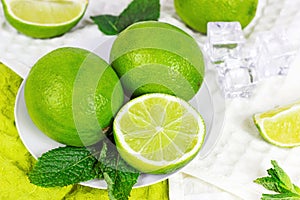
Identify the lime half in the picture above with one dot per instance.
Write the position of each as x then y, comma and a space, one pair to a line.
280, 126
158, 133
44, 19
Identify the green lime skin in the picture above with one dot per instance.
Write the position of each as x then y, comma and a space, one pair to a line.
156, 57
72, 96
197, 13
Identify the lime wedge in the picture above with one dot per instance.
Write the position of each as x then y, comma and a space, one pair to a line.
158, 133
280, 126
44, 19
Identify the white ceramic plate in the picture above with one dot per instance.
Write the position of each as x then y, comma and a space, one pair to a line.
37, 143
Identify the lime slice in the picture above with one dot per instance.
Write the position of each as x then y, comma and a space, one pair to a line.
44, 19
158, 133
280, 126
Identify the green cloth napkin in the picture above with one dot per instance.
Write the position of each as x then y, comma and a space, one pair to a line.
16, 161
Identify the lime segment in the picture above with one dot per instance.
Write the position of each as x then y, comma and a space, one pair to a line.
46, 12
158, 133
44, 19
280, 126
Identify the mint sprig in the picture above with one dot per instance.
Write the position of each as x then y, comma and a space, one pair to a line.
137, 10
119, 176
71, 165
63, 166
278, 181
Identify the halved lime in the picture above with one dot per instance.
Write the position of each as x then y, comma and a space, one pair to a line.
158, 133
44, 19
280, 126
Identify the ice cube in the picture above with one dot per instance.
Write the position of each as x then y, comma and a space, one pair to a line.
225, 33
224, 40
228, 64
237, 79
275, 53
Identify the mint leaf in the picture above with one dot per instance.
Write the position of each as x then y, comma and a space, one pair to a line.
284, 196
70, 165
281, 176
106, 23
271, 184
278, 181
63, 166
119, 176
137, 10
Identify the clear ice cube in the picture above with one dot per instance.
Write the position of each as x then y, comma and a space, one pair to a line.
224, 40
241, 65
228, 64
237, 78
275, 54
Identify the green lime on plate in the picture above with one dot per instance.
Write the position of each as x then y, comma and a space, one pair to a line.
208, 104
72, 96
156, 57
44, 19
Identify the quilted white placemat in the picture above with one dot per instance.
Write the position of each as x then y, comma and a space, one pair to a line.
240, 155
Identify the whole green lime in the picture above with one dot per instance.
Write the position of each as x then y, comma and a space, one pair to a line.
197, 13
72, 96
156, 57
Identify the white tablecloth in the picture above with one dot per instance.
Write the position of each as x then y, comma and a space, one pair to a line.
240, 154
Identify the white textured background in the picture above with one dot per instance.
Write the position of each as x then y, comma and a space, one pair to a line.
240, 155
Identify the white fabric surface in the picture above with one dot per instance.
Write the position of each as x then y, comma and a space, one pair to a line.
240, 155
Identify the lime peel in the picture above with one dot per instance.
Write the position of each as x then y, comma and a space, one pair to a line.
197, 13
77, 96
167, 60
